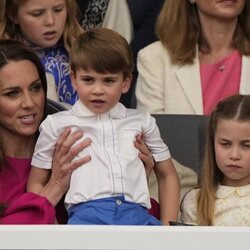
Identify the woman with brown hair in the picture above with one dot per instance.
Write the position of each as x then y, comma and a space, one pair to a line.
202, 57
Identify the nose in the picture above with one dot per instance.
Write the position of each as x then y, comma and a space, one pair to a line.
49, 18
235, 153
98, 89
27, 101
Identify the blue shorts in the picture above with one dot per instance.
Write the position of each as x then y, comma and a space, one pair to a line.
110, 211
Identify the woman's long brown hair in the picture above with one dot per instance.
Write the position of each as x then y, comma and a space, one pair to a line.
179, 29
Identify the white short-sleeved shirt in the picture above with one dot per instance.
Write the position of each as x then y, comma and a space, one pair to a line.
115, 168
232, 206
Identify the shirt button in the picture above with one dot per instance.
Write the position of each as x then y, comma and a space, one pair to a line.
118, 202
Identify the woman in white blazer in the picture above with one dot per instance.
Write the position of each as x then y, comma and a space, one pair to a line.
194, 34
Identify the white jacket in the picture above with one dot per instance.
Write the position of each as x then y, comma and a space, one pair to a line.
174, 89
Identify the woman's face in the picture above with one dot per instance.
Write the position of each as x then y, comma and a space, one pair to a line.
42, 22
22, 99
220, 9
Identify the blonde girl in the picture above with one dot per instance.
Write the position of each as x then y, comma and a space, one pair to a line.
223, 196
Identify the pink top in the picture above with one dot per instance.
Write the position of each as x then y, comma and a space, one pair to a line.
220, 80
23, 207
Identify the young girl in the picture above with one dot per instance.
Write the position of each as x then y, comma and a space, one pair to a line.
49, 27
223, 198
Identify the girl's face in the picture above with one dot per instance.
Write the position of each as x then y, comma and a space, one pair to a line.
99, 92
232, 151
42, 22
21, 99
219, 9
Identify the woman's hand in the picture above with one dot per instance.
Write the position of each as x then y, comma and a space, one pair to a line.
145, 154
64, 164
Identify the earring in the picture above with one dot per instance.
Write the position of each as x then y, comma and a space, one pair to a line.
192, 1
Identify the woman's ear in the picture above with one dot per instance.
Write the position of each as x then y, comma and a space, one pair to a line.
126, 83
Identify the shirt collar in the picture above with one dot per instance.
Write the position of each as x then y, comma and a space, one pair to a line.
224, 191
117, 112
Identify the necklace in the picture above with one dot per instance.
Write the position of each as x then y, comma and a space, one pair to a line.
222, 68
221, 65
224, 62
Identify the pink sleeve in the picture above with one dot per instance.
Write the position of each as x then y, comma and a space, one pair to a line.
29, 208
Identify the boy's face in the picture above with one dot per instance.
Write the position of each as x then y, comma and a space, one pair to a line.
99, 92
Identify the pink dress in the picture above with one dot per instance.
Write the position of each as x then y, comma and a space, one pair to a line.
220, 80
23, 207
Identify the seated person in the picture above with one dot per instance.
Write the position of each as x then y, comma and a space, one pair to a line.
114, 189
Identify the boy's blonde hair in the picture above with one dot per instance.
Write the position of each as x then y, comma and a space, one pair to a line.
8, 29
102, 50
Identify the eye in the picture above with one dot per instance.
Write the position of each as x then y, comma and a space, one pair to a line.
109, 81
12, 93
36, 13
87, 80
246, 145
36, 87
59, 8
225, 144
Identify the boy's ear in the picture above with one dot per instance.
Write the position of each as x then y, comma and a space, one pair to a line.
73, 79
126, 84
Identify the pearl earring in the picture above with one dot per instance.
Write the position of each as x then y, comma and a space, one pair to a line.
192, 1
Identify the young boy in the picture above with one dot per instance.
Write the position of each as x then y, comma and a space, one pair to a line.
112, 188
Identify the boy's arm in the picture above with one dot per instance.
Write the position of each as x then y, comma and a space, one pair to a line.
169, 190
38, 179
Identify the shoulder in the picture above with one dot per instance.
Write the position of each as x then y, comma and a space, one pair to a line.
155, 49
155, 55
188, 207
57, 118
190, 198
139, 113
141, 117
59, 115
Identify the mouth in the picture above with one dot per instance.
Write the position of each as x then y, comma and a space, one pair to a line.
227, 1
234, 167
27, 119
97, 101
49, 35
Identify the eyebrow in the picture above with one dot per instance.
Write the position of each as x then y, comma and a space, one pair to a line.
18, 87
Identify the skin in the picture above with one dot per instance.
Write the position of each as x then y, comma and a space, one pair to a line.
21, 107
42, 22
218, 20
232, 150
219, 9
99, 92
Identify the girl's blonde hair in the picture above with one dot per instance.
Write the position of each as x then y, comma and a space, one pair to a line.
102, 50
237, 108
179, 29
8, 29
